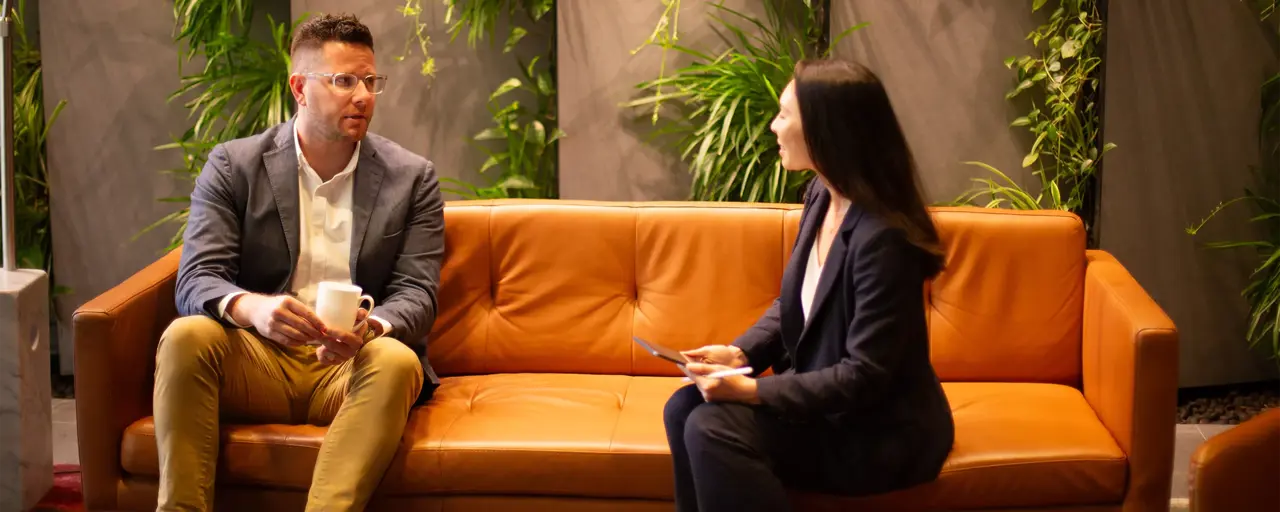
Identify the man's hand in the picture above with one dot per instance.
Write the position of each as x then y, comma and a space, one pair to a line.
726, 355
734, 388
339, 345
282, 319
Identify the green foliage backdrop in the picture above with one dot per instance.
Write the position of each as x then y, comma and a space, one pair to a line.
1063, 79
1263, 290
240, 90
724, 102
522, 144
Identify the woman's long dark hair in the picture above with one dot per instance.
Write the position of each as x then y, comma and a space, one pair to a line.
858, 147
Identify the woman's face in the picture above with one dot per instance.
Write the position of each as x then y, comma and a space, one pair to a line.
791, 146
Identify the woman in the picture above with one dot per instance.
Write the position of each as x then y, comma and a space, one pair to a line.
854, 406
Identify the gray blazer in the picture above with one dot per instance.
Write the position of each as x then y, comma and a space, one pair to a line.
242, 233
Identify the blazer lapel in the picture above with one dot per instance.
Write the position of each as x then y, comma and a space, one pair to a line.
369, 175
792, 313
833, 265
282, 173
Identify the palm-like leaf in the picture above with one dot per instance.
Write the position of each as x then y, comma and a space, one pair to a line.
725, 102
241, 90
1263, 290
32, 228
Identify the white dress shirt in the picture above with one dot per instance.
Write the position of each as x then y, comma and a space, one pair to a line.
812, 271
324, 234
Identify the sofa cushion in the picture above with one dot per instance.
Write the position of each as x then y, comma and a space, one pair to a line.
602, 436
562, 288
541, 434
1009, 304
1017, 445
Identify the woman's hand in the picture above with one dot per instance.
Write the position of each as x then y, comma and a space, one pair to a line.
725, 355
734, 388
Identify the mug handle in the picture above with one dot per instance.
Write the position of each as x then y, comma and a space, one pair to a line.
364, 322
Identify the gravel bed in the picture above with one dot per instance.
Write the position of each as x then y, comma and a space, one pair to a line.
1230, 408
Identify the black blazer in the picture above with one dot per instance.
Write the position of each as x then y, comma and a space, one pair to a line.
861, 363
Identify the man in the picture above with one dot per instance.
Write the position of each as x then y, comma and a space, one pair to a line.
314, 199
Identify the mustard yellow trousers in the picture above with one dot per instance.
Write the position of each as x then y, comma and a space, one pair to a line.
207, 373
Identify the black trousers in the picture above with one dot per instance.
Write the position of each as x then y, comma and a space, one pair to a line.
734, 457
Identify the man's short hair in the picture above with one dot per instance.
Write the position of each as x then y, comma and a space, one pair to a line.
315, 32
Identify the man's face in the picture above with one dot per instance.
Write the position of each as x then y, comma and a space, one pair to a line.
341, 110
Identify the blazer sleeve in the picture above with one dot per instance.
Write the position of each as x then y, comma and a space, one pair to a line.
762, 342
887, 283
210, 258
411, 303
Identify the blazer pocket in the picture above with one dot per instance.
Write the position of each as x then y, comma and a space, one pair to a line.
396, 234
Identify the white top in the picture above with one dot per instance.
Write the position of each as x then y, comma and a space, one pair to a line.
324, 231
324, 234
812, 271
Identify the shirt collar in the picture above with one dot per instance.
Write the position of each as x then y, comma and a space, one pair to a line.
305, 168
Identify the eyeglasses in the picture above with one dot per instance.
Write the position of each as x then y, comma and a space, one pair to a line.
346, 82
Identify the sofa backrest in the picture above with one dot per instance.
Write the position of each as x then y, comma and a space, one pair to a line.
562, 286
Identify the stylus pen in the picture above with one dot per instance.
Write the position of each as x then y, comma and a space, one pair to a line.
745, 370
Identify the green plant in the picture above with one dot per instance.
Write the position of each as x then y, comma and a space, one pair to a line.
413, 9
523, 142
725, 102
241, 90
1064, 116
33, 237
1263, 291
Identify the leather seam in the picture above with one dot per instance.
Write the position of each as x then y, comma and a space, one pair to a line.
635, 307
493, 296
1036, 463
622, 406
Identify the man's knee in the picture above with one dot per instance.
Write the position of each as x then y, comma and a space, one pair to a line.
393, 360
189, 339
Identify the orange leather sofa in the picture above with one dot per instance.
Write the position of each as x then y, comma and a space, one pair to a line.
1238, 470
1060, 369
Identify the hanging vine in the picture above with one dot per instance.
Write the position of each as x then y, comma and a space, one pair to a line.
523, 142
1063, 78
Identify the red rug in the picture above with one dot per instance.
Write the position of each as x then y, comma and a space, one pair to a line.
65, 495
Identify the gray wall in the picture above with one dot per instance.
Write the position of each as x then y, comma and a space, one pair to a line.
605, 155
942, 62
1182, 104
104, 176
104, 173
433, 117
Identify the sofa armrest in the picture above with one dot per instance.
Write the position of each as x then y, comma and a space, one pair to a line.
115, 336
1236, 470
1130, 368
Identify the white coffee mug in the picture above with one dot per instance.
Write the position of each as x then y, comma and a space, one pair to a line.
337, 304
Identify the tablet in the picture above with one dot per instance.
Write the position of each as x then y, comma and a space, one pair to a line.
662, 352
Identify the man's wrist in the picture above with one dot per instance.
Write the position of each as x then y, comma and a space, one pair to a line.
379, 324
239, 307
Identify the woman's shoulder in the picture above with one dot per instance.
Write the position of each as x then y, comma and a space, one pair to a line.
876, 239
875, 234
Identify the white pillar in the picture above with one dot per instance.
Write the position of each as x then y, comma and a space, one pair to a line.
26, 423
